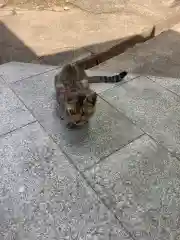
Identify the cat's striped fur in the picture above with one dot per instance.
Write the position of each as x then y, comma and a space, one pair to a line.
72, 88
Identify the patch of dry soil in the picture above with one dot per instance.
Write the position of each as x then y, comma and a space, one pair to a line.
33, 4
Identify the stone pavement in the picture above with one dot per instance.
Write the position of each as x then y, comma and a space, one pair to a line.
117, 178
69, 34
87, 27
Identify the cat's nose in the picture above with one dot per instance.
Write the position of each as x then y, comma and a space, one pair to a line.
69, 99
81, 99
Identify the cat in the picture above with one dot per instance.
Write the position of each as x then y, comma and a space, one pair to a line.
72, 86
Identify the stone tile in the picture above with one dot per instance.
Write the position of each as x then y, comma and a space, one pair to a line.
43, 197
107, 131
86, 29
160, 67
141, 183
152, 107
14, 71
101, 87
172, 84
13, 113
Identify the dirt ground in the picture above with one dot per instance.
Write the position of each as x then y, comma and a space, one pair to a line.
34, 4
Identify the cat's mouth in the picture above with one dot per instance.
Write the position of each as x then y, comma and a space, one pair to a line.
77, 124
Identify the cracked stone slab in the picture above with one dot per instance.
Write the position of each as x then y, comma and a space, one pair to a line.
15, 71
141, 184
43, 196
107, 131
151, 107
12, 111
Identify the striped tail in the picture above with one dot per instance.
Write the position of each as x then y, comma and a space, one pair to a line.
113, 79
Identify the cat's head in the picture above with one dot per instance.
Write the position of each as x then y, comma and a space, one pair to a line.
81, 107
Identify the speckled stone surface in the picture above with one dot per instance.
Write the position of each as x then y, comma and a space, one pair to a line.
141, 184
128, 187
14, 71
13, 113
172, 84
108, 130
155, 109
43, 197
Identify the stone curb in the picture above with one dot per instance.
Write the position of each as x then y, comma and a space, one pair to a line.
129, 42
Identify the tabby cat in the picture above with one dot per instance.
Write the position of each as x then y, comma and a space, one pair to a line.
79, 100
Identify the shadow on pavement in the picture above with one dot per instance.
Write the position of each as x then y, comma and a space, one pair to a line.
14, 49
104, 51
159, 57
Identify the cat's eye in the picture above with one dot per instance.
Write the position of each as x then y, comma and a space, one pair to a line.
72, 111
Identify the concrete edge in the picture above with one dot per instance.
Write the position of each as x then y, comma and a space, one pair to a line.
129, 42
